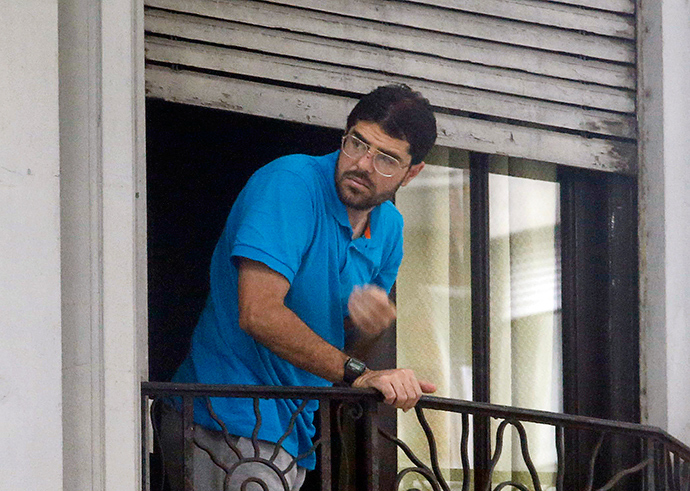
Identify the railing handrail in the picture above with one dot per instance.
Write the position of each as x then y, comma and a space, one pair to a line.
431, 402
263, 391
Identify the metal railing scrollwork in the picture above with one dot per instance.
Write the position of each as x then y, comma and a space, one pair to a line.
590, 454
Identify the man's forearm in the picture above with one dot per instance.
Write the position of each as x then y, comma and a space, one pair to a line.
264, 316
283, 332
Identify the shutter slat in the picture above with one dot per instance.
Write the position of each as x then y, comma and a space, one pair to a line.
345, 79
621, 6
434, 20
547, 13
332, 52
411, 40
477, 26
330, 111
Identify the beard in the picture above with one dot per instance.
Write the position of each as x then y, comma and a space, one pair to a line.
359, 199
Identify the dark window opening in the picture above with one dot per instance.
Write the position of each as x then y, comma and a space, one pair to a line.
198, 160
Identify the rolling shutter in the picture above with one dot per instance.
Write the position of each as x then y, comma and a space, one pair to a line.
537, 79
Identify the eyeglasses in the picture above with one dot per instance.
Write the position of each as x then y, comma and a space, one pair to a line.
384, 164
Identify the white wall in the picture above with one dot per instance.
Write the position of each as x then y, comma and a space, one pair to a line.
30, 324
104, 243
676, 56
664, 29
72, 244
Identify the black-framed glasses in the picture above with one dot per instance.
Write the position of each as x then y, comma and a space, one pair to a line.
384, 164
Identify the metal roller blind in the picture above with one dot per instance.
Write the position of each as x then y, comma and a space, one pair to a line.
537, 79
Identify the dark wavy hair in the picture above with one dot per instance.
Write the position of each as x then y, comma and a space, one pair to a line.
402, 113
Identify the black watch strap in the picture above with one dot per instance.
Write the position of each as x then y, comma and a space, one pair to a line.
352, 370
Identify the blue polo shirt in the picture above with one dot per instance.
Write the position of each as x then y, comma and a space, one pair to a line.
290, 218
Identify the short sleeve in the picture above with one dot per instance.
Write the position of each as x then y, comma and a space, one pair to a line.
276, 222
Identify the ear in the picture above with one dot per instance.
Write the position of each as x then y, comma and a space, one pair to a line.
412, 173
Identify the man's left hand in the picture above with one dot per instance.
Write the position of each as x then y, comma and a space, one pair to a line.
371, 311
400, 387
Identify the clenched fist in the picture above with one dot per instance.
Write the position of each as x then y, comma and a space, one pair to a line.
370, 310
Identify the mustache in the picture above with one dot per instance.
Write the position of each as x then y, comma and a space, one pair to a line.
362, 176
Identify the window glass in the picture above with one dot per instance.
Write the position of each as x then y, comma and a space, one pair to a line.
434, 333
433, 299
525, 321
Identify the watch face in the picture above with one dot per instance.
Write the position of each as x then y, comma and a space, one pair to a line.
357, 366
353, 369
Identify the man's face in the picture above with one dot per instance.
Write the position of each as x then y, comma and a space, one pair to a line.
358, 184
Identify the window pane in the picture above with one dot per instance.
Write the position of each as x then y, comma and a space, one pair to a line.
525, 323
433, 298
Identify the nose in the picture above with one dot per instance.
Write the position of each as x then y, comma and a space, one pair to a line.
366, 161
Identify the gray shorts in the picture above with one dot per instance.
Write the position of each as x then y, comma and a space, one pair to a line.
263, 475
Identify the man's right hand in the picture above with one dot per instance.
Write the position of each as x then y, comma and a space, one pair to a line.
400, 386
371, 311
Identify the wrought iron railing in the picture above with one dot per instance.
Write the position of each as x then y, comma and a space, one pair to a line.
589, 453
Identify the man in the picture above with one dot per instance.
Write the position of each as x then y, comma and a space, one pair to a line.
309, 253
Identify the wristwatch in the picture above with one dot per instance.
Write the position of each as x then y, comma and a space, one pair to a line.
353, 369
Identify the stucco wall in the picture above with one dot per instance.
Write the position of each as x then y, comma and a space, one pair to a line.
30, 324
72, 244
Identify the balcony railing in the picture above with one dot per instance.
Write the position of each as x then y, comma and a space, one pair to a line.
588, 453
